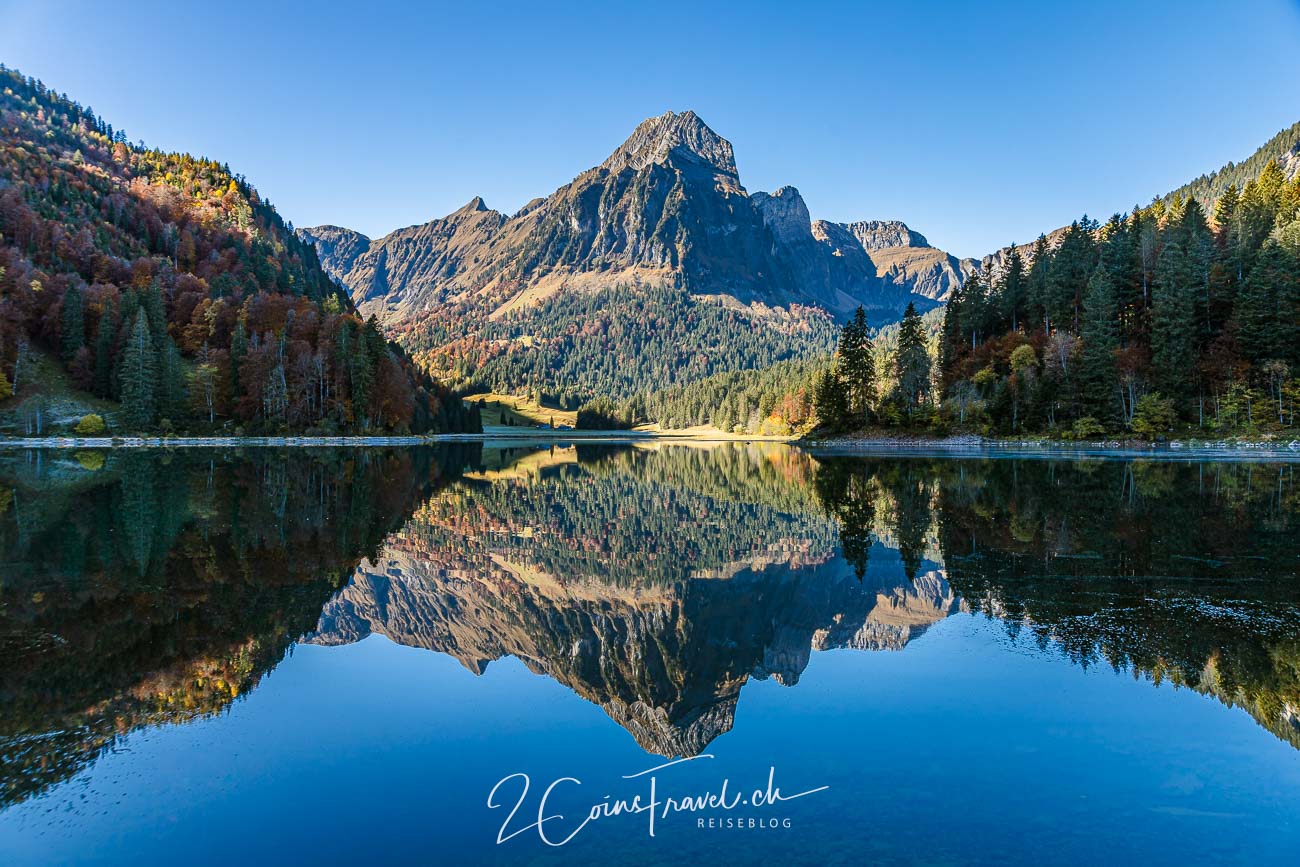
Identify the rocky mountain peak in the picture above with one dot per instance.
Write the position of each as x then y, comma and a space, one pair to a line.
786, 214
674, 137
474, 206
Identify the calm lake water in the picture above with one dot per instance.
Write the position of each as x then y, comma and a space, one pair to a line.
404, 655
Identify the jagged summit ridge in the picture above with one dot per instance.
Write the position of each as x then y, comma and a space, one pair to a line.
883, 234
673, 137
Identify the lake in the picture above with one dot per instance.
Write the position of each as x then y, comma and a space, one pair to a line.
644, 653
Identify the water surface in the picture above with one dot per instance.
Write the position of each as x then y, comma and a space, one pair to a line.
335, 655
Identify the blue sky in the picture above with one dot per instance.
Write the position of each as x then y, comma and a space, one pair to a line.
978, 124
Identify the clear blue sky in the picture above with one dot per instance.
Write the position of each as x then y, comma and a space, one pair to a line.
978, 124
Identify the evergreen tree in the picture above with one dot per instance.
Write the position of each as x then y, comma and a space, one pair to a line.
1173, 323
137, 374
830, 399
1036, 291
173, 397
1100, 333
950, 340
1014, 289
72, 324
1067, 278
151, 302
1262, 315
973, 315
912, 363
857, 368
104, 342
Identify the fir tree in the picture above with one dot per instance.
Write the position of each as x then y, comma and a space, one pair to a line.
104, 342
173, 398
1036, 285
1261, 314
1173, 323
857, 368
912, 363
1014, 289
1100, 333
137, 374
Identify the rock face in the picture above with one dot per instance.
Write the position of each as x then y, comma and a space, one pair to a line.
901, 258
665, 208
881, 234
336, 245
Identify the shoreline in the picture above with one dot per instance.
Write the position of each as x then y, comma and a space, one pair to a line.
973, 445
867, 445
522, 435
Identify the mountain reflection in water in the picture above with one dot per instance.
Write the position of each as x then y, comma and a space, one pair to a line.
147, 588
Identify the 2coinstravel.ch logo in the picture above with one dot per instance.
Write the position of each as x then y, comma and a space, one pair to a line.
556, 828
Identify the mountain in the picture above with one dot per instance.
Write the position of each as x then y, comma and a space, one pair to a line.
162, 292
665, 212
665, 208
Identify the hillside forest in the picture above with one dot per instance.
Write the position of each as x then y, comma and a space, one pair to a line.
161, 290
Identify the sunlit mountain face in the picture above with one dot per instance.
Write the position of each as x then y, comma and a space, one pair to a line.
144, 590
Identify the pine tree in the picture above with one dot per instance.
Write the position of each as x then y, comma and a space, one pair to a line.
857, 368
137, 373
1100, 333
912, 363
72, 324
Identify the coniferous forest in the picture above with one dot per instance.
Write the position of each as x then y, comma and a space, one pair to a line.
1177, 314
166, 287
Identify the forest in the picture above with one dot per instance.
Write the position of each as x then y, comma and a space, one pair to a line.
1164, 318
164, 287
630, 340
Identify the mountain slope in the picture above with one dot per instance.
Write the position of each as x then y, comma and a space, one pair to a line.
1283, 149
165, 282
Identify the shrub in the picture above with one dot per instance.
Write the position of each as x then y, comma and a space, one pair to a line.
91, 425
1086, 428
1154, 416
